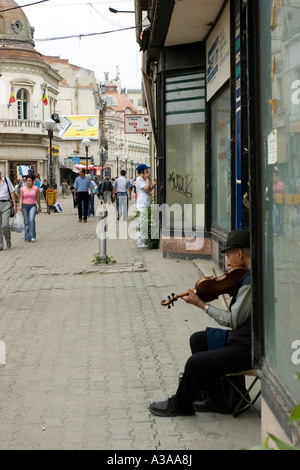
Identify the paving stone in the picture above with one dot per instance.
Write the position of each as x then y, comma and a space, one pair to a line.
90, 346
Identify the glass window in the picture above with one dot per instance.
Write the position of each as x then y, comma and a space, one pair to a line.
221, 161
280, 129
23, 104
185, 144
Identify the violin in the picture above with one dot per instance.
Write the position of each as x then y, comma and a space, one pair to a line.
209, 288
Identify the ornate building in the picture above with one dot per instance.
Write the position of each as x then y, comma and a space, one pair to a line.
28, 95
125, 151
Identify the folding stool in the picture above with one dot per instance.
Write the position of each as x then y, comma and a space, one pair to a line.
245, 396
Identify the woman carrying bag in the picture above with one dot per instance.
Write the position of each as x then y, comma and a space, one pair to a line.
29, 200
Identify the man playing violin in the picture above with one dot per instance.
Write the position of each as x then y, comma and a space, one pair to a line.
216, 352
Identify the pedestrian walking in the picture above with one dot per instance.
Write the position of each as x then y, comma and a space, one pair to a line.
91, 210
82, 187
20, 185
64, 188
7, 197
106, 190
44, 188
29, 201
122, 191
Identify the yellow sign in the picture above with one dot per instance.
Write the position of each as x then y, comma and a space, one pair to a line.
55, 150
78, 127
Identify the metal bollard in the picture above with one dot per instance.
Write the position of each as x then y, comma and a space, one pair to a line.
102, 212
2, 354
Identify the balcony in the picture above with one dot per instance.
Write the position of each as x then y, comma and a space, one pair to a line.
13, 126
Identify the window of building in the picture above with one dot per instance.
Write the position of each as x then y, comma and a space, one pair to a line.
23, 104
221, 160
280, 130
185, 144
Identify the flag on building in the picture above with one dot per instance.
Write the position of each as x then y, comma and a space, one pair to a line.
44, 98
11, 98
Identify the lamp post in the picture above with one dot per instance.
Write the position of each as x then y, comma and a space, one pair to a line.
49, 125
86, 143
102, 151
126, 159
117, 155
131, 167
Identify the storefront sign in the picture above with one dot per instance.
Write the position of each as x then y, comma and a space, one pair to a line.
218, 54
55, 150
137, 124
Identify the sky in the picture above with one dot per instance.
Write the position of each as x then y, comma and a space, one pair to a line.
109, 52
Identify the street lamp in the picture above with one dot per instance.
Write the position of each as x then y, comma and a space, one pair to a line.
117, 155
112, 10
49, 125
86, 143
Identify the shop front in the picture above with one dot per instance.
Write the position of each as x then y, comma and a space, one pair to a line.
233, 148
276, 231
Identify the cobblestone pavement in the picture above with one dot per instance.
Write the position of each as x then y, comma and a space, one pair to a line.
89, 347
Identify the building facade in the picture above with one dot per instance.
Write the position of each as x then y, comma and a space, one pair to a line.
34, 87
80, 108
28, 95
222, 87
124, 150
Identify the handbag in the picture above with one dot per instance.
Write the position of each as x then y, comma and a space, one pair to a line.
12, 212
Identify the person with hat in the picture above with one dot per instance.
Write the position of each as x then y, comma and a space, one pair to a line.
144, 189
216, 352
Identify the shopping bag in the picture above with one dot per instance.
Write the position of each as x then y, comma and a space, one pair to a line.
57, 207
17, 224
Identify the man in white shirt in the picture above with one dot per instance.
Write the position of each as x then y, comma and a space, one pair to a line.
144, 199
122, 191
7, 194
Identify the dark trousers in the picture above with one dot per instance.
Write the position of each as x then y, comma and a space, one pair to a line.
205, 368
82, 199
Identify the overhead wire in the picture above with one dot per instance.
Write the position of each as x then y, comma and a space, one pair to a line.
84, 35
23, 6
90, 5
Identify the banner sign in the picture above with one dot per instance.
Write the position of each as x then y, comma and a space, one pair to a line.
137, 124
79, 127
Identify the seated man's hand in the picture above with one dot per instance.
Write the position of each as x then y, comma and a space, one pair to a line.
192, 298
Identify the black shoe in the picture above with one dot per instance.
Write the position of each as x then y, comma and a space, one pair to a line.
209, 405
8, 244
168, 408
